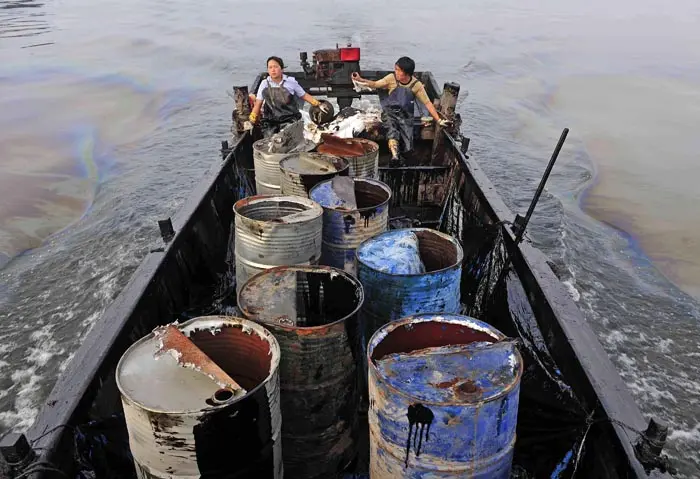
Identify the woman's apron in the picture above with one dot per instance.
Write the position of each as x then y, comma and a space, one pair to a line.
397, 115
280, 109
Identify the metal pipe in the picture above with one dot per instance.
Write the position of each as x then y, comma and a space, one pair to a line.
519, 226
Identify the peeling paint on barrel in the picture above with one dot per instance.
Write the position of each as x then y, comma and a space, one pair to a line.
312, 311
273, 231
343, 229
392, 296
176, 431
361, 166
267, 166
444, 393
300, 173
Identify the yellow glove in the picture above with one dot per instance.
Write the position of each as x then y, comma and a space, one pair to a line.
253, 118
315, 102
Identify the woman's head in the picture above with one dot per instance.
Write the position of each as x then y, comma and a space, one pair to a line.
404, 67
275, 65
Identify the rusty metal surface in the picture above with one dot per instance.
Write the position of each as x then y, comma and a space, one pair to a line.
177, 430
344, 229
312, 311
361, 166
188, 355
393, 296
267, 166
327, 55
300, 173
274, 231
444, 392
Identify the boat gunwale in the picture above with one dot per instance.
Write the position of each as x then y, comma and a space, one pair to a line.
78, 386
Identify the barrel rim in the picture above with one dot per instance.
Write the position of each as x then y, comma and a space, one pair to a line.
452, 239
252, 200
372, 143
387, 328
307, 144
300, 267
232, 321
378, 183
344, 161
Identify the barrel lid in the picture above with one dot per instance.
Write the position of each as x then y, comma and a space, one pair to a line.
156, 382
314, 164
161, 384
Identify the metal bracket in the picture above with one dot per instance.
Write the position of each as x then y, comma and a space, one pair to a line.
166, 230
16, 452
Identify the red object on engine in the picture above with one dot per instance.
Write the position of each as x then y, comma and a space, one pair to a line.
349, 54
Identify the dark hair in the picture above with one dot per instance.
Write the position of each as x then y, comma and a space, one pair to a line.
407, 65
277, 59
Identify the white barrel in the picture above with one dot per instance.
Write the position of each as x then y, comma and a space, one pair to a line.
267, 165
181, 425
275, 231
362, 166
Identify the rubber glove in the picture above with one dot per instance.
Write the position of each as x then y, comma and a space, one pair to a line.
253, 118
247, 126
325, 107
444, 123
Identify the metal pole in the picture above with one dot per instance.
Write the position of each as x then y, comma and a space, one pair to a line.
520, 230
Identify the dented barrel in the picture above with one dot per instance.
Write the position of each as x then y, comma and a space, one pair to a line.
267, 165
444, 393
408, 271
362, 165
312, 311
273, 231
182, 424
300, 173
346, 224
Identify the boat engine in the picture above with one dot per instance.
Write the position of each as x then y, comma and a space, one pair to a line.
332, 70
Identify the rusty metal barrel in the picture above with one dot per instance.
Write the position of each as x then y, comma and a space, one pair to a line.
312, 311
267, 165
300, 173
408, 271
273, 231
444, 393
182, 424
344, 226
365, 165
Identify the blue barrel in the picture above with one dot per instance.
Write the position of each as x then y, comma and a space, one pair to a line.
444, 392
408, 271
344, 228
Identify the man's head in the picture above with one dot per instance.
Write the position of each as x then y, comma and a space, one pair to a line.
404, 68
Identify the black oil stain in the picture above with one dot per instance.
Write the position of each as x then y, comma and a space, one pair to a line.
418, 415
348, 221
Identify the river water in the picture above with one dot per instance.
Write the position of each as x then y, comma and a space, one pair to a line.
111, 111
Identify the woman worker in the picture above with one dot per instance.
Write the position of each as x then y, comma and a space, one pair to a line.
397, 106
279, 93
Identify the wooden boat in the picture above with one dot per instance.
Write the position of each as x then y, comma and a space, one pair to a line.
576, 416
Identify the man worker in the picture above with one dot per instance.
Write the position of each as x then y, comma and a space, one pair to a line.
397, 107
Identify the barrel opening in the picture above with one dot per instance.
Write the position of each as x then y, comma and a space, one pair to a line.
369, 195
414, 336
243, 355
324, 298
436, 252
273, 211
